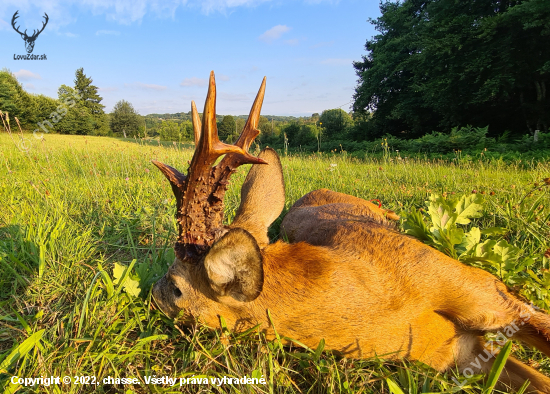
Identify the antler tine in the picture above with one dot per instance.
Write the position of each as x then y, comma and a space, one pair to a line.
200, 195
210, 147
249, 133
196, 123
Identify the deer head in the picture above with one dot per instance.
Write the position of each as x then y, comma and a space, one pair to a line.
29, 41
214, 260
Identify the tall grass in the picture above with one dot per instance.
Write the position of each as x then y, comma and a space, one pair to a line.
73, 207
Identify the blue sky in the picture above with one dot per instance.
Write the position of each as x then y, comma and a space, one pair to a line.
158, 54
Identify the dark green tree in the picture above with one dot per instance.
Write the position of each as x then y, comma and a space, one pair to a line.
16, 101
442, 63
44, 106
88, 92
169, 131
264, 125
226, 127
335, 123
301, 134
124, 119
186, 131
90, 99
240, 122
73, 117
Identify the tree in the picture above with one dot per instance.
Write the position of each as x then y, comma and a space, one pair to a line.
72, 117
90, 99
44, 106
264, 125
15, 100
240, 122
186, 131
301, 134
169, 131
124, 119
335, 123
88, 92
439, 64
227, 127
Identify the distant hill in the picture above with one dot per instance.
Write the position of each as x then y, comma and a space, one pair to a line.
182, 116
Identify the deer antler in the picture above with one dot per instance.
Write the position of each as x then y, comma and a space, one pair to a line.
15, 16
200, 195
35, 34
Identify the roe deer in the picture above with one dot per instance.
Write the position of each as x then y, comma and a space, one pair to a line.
346, 276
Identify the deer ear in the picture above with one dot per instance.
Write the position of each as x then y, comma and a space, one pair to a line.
262, 197
234, 266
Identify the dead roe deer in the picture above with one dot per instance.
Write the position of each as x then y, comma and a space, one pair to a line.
347, 276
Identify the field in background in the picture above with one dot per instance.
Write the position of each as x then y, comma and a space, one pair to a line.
71, 207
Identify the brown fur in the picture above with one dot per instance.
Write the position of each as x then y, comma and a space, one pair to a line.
349, 278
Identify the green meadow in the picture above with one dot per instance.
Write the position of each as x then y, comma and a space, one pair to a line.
79, 215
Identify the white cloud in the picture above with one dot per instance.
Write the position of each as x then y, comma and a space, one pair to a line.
107, 33
26, 75
30, 86
292, 41
193, 82
274, 33
338, 62
148, 86
208, 6
121, 11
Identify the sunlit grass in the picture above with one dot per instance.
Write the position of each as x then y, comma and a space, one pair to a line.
71, 206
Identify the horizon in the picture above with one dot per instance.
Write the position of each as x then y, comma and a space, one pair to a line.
158, 56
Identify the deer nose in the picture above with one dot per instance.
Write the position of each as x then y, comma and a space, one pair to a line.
177, 292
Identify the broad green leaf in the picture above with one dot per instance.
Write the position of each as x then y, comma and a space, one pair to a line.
441, 213
469, 241
131, 287
122, 277
508, 253
468, 207
414, 225
118, 271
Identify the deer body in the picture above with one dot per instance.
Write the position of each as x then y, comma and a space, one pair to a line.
346, 276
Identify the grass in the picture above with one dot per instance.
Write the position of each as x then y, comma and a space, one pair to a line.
72, 207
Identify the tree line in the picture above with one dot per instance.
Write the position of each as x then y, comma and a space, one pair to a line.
437, 64
78, 110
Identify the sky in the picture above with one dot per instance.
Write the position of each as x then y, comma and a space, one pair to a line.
158, 54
